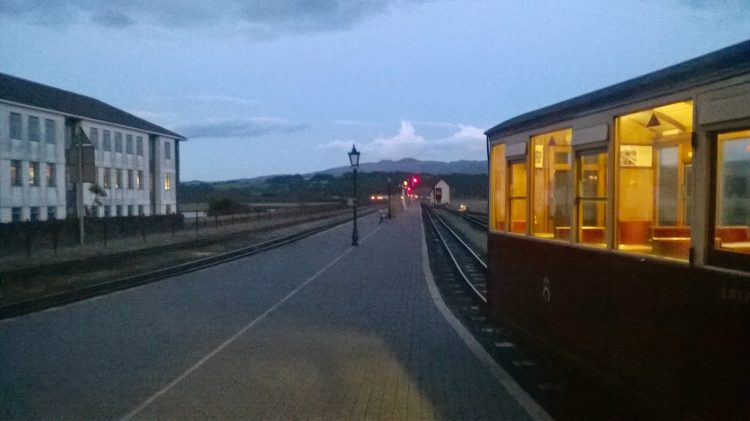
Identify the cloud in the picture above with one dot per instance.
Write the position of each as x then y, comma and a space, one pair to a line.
261, 18
241, 128
465, 142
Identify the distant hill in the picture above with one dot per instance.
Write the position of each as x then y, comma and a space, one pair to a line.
406, 165
466, 178
411, 165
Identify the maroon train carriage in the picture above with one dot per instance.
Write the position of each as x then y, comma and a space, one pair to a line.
620, 232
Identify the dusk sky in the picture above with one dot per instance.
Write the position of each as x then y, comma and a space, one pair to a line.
281, 86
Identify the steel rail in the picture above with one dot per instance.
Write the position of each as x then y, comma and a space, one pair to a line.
106, 287
452, 256
460, 240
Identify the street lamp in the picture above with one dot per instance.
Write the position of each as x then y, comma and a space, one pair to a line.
354, 160
389, 197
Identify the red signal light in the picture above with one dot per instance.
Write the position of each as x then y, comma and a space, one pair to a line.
414, 180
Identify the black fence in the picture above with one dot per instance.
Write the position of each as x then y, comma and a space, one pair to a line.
28, 237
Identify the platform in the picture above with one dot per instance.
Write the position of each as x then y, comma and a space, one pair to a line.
315, 330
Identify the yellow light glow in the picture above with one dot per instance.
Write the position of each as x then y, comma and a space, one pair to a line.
670, 132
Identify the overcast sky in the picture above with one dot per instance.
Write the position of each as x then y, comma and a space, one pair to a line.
281, 86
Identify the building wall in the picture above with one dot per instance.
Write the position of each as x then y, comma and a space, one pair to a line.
41, 200
165, 185
446, 192
125, 199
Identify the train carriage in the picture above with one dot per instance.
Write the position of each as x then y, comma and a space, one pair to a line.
619, 232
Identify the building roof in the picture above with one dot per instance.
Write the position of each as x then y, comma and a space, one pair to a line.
718, 65
26, 92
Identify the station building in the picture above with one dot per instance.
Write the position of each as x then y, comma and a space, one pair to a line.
136, 162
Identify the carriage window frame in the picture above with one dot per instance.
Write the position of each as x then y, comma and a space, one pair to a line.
606, 199
550, 198
637, 154
717, 256
498, 188
519, 160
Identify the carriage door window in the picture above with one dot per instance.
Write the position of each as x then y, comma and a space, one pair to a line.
498, 171
732, 230
552, 183
654, 169
517, 198
592, 198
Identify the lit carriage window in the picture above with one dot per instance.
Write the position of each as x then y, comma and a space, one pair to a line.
591, 178
497, 187
517, 198
552, 184
732, 231
654, 172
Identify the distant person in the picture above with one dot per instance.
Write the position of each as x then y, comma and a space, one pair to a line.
381, 212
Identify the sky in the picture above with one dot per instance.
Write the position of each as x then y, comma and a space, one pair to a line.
264, 87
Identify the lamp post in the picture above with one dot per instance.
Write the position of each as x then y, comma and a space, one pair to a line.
389, 197
354, 161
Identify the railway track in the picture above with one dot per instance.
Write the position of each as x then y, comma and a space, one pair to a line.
476, 219
108, 286
470, 267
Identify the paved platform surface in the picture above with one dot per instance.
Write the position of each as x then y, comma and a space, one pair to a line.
315, 330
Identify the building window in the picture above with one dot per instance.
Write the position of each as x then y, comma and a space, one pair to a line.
106, 140
107, 210
167, 150
118, 179
167, 181
49, 175
15, 173
51, 213
16, 214
15, 126
139, 145
552, 184
130, 179
94, 137
169, 209
33, 173
591, 194
139, 180
49, 131
33, 129
34, 213
517, 198
654, 173
497, 187
107, 178
129, 144
118, 142
118, 210
140, 210
732, 228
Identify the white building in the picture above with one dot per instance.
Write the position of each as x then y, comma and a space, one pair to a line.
137, 162
440, 193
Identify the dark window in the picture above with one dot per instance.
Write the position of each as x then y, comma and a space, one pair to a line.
129, 143
49, 175
107, 140
139, 145
15, 126
15, 173
33, 128
49, 131
118, 142
94, 137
